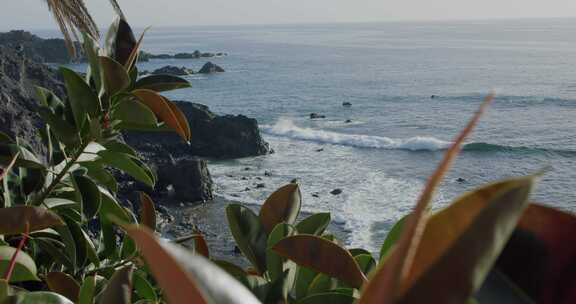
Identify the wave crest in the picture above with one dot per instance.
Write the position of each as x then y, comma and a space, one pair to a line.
286, 128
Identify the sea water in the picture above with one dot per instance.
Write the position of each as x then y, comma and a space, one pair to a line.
397, 133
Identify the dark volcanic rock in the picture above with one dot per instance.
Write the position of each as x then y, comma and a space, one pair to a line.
190, 179
210, 67
316, 116
336, 191
173, 70
213, 136
18, 76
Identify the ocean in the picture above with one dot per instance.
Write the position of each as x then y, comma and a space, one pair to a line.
397, 132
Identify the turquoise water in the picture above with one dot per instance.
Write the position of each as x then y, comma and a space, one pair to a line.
388, 71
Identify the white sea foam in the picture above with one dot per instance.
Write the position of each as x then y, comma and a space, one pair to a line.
287, 128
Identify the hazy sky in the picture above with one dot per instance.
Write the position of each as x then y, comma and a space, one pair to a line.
32, 13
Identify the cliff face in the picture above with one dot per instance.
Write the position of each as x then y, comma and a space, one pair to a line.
35, 48
18, 76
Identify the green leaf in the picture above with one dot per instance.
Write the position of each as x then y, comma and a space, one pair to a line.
281, 206
91, 52
327, 297
128, 164
13, 220
143, 288
110, 208
87, 291
304, 278
36, 297
323, 256
65, 132
321, 283
116, 146
119, 287
275, 263
83, 99
249, 234
160, 83
91, 197
55, 249
24, 268
115, 78
101, 176
48, 99
314, 224
134, 115
90, 153
366, 262
450, 257
392, 237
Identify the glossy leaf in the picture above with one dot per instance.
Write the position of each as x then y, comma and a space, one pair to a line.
13, 220
540, 255
143, 288
304, 278
327, 297
119, 287
134, 115
147, 211
314, 224
128, 164
249, 234
281, 206
385, 285
91, 197
24, 267
65, 132
177, 285
323, 256
451, 264
83, 100
100, 175
87, 291
392, 237
160, 83
120, 41
215, 283
91, 52
43, 297
64, 284
275, 263
114, 77
165, 111
366, 262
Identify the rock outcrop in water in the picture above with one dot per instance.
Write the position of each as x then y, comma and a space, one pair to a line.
173, 70
210, 67
213, 136
145, 56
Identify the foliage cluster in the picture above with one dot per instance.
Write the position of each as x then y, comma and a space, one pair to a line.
65, 238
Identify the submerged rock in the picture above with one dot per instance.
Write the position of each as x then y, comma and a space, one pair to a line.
346, 104
336, 191
316, 116
209, 68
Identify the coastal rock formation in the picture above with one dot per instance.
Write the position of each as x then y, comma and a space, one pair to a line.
189, 178
213, 136
316, 116
18, 76
145, 56
210, 67
37, 49
173, 70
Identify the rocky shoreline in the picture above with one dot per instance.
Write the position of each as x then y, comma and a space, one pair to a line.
184, 192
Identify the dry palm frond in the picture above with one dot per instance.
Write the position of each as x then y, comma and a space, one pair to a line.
72, 17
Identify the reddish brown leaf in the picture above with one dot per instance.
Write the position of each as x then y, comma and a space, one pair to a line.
323, 256
63, 284
163, 111
147, 211
539, 257
177, 285
281, 206
13, 220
